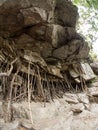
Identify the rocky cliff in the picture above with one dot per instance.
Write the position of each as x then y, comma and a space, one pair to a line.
43, 58
38, 46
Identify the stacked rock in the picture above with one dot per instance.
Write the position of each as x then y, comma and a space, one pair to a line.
41, 32
43, 26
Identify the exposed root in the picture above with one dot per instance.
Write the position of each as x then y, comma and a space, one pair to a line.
33, 83
9, 71
29, 94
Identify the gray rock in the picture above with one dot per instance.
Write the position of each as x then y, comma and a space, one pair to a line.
21, 14
62, 10
85, 121
61, 53
45, 49
94, 66
59, 36
76, 49
23, 39
93, 91
77, 108
83, 98
39, 32
33, 16
71, 33
55, 34
10, 126
71, 98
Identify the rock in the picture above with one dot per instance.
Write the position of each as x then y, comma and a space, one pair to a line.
61, 13
94, 66
57, 123
93, 91
83, 98
93, 84
16, 125
55, 34
10, 126
74, 50
73, 73
39, 32
77, 108
24, 41
55, 71
71, 98
71, 32
33, 16
21, 128
24, 13
21, 110
57, 52
26, 124
33, 57
58, 36
94, 108
46, 50
85, 121
88, 74
42, 26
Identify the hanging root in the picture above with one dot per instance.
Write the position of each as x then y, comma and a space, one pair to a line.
33, 83
7, 105
29, 94
9, 71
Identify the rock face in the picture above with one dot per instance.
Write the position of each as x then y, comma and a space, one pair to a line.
38, 46
31, 23
38, 40
57, 115
26, 13
40, 60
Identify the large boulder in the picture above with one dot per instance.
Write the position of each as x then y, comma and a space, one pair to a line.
46, 27
65, 13
72, 51
40, 33
53, 33
21, 14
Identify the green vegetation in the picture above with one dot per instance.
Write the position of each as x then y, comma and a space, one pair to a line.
87, 3
88, 21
